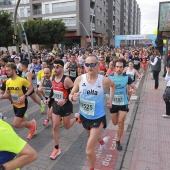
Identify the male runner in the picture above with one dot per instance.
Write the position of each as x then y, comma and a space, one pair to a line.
61, 107
89, 89
15, 87
120, 102
10, 146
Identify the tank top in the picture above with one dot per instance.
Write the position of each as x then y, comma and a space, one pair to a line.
73, 70
59, 92
23, 75
47, 87
131, 73
81, 60
102, 67
91, 98
37, 68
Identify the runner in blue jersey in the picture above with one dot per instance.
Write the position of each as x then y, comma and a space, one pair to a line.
120, 102
89, 89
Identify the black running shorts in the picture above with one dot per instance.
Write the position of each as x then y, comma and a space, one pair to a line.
64, 110
116, 108
88, 124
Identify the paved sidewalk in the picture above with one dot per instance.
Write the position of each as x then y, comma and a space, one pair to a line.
149, 144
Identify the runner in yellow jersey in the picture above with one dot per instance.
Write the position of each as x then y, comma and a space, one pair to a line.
15, 87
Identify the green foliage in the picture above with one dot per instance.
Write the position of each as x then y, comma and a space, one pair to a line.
6, 29
45, 31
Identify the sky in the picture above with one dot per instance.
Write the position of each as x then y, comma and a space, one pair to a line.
149, 15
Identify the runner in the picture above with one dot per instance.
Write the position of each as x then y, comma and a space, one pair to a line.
90, 88
15, 88
10, 146
28, 76
61, 107
120, 102
45, 86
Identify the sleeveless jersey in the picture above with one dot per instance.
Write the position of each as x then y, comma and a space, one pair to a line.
91, 98
73, 70
102, 67
23, 75
120, 96
37, 68
47, 87
59, 92
131, 73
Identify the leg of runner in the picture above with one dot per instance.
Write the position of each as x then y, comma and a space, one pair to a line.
34, 98
94, 134
56, 124
68, 123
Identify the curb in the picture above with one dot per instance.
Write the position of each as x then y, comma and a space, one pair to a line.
119, 161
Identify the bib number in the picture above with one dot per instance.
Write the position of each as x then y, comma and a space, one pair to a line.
14, 97
58, 96
73, 73
87, 107
47, 92
118, 100
136, 62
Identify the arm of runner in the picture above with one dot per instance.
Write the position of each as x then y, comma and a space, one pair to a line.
41, 88
6, 95
74, 95
29, 77
137, 73
26, 156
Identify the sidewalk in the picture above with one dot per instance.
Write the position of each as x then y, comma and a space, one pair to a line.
149, 144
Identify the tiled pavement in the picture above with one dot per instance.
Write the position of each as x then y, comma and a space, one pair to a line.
149, 144
72, 142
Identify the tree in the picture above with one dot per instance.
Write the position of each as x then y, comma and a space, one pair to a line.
45, 31
6, 29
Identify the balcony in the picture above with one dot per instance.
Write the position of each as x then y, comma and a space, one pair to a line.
64, 9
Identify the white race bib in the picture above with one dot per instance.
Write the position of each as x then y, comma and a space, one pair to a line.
58, 95
14, 97
118, 100
73, 73
87, 107
136, 62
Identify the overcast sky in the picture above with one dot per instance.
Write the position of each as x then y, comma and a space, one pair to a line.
149, 15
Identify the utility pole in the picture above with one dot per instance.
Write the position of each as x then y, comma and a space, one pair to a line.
15, 26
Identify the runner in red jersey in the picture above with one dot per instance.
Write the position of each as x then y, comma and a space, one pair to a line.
144, 62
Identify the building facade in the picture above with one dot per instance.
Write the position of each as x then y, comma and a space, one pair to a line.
101, 18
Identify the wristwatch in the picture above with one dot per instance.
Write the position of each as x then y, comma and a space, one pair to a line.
2, 167
26, 96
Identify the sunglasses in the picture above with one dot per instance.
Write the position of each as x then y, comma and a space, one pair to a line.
90, 64
58, 66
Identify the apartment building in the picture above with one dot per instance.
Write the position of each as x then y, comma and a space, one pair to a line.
101, 18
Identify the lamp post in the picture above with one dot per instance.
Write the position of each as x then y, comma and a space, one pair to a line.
91, 25
15, 25
142, 28
83, 27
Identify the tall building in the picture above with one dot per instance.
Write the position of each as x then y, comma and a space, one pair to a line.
102, 18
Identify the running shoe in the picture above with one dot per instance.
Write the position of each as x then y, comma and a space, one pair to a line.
33, 128
119, 146
42, 108
153, 88
55, 153
103, 147
46, 122
61, 123
77, 116
165, 116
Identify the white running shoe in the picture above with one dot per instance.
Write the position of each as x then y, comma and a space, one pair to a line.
103, 147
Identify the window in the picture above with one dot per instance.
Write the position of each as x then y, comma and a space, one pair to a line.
47, 9
64, 7
104, 14
104, 3
22, 12
70, 21
28, 12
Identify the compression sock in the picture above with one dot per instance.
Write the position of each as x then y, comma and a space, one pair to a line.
56, 146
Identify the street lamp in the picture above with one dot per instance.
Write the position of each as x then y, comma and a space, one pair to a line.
15, 25
91, 25
83, 27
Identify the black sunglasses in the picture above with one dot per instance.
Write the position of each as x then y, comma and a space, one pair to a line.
90, 64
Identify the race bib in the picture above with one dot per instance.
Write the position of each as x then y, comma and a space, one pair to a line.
131, 76
3, 77
73, 73
87, 107
144, 61
136, 62
14, 97
58, 96
47, 92
118, 100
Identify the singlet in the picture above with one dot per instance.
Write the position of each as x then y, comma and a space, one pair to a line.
120, 96
3, 75
102, 67
73, 69
59, 92
23, 75
36, 68
144, 60
47, 87
131, 73
65, 71
9, 148
17, 88
81, 60
91, 98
